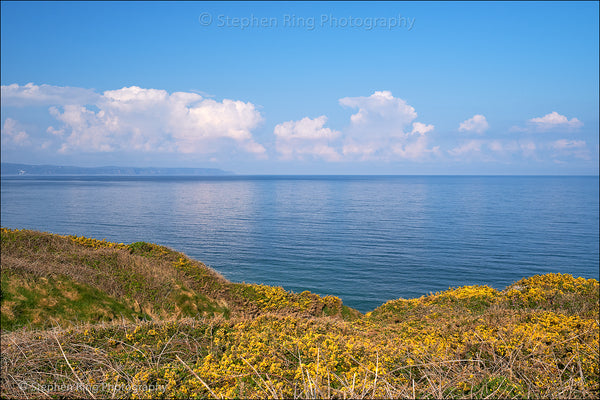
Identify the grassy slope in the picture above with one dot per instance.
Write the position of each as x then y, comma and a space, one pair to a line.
155, 319
50, 279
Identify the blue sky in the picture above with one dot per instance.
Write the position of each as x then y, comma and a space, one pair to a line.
303, 88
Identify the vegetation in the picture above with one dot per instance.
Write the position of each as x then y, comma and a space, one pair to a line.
90, 318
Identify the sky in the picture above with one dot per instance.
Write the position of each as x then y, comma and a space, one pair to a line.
303, 87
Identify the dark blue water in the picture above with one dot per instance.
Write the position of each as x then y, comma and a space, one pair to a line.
364, 239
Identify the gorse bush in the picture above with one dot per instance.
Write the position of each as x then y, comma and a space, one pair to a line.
536, 338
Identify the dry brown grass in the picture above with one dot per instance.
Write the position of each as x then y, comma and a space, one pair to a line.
275, 356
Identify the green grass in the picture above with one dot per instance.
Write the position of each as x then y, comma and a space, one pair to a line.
33, 301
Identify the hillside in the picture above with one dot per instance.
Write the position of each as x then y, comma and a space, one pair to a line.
51, 279
28, 169
89, 318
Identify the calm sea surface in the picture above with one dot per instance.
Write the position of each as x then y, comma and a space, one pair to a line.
364, 239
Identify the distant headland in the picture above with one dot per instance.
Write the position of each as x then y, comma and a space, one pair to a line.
12, 169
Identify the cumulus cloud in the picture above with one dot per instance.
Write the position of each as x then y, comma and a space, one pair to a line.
306, 137
381, 127
555, 120
145, 120
14, 134
384, 128
46, 95
380, 108
549, 122
476, 124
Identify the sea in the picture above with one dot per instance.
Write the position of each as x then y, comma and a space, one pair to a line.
365, 239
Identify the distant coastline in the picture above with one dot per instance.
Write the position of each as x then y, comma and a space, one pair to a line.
12, 169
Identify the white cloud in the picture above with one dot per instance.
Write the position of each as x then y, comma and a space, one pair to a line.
421, 129
504, 146
496, 146
477, 124
416, 149
14, 134
472, 146
306, 137
305, 128
383, 128
549, 122
576, 148
364, 150
516, 128
488, 150
531, 149
152, 120
528, 148
563, 144
555, 120
380, 107
45, 95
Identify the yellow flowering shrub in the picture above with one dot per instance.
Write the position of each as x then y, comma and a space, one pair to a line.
555, 292
276, 299
95, 243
